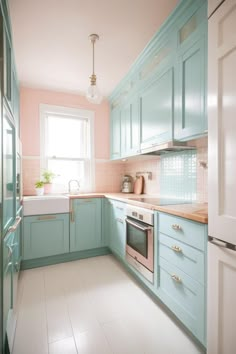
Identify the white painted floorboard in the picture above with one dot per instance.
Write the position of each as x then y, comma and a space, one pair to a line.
92, 306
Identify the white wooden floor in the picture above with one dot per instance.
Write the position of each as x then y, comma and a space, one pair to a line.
92, 306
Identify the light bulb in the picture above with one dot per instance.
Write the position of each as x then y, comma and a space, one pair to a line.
93, 94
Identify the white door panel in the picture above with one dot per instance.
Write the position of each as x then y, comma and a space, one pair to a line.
221, 300
222, 122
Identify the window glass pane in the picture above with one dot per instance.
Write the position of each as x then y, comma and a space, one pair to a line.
67, 170
67, 137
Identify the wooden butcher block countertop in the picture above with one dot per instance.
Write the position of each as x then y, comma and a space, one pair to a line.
193, 211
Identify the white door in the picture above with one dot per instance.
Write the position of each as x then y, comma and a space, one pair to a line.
221, 331
222, 122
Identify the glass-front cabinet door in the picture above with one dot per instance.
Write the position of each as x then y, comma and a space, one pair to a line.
9, 173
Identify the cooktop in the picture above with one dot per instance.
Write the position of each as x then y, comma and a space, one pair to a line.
161, 201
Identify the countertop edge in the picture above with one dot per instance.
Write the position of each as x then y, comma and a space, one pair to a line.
195, 211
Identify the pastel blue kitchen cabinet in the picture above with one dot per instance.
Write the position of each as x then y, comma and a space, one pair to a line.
130, 127
86, 224
117, 228
181, 270
115, 133
156, 109
15, 100
7, 283
106, 219
191, 78
169, 78
8, 169
45, 235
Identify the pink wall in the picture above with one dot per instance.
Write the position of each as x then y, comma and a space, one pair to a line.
30, 100
107, 174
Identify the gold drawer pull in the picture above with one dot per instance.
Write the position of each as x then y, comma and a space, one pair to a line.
47, 217
176, 278
176, 248
176, 227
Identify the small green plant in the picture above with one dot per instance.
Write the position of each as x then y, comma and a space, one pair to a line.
48, 176
39, 184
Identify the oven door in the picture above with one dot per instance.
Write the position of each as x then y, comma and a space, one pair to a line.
139, 242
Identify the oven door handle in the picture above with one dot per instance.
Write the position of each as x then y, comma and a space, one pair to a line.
145, 228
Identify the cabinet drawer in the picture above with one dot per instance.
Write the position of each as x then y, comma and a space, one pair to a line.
184, 296
186, 258
187, 231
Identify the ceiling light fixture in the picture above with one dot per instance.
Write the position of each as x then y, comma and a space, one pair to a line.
93, 93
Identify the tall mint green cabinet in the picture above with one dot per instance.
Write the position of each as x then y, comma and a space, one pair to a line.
163, 96
45, 235
10, 218
86, 224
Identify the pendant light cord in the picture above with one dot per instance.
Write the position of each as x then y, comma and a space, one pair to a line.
93, 41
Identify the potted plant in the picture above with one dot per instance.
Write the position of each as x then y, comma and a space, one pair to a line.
39, 187
47, 179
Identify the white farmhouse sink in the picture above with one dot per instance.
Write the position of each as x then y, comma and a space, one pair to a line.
46, 204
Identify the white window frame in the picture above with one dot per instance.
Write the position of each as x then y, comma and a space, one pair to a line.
46, 110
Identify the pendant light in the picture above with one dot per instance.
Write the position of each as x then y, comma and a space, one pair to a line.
93, 94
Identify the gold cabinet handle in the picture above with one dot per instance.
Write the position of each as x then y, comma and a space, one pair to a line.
176, 227
176, 248
46, 217
72, 215
176, 278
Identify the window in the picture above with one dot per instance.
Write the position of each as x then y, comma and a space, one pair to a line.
66, 139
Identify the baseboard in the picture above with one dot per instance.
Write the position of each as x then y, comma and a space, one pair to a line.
62, 258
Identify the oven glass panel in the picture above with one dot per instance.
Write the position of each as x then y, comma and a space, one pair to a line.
137, 239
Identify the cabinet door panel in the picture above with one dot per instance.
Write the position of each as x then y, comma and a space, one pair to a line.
8, 150
191, 120
130, 128
46, 235
7, 282
117, 230
85, 230
184, 296
115, 134
221, 300
157, 110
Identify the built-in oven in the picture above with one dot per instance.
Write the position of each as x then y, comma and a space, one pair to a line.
140, 240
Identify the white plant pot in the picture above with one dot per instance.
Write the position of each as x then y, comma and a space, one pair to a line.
39, 191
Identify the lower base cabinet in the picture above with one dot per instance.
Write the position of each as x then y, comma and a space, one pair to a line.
117, 239
182, 246
86, 224
45, 235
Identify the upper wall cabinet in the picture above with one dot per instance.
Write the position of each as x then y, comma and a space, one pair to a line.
130, 127
156, 108
115, 133
163, 96
10, 82
191, 78
7, 68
